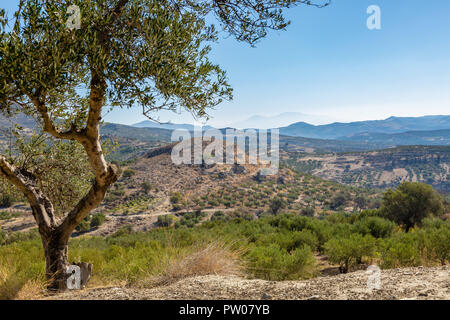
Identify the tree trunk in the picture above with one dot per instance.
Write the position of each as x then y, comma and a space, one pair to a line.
56, 260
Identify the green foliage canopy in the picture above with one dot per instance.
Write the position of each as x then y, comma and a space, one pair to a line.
411, 202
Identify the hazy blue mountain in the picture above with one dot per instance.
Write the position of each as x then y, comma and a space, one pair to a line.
388, 126
168, 125
430, 138
280, 120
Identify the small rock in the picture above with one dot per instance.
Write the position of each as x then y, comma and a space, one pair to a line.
313, 298
266, 296
423, 294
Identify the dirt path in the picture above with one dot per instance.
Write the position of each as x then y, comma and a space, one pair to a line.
410, 283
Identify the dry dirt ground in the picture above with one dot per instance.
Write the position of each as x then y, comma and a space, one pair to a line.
408, 283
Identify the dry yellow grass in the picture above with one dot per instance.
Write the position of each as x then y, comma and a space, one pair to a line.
212, 259
12, 287
31, 290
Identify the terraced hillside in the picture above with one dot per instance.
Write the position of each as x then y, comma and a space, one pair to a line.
379, 169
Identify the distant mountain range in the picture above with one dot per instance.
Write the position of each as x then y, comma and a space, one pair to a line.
167, 125
255, 122
336, 137
280, 120
391, 125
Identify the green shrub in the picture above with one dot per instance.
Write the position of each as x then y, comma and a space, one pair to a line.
146, 187
348, 252
5, 215
411, 203
292, 240
2, 237
219, 216
175, 198
165, 220
190, 219
339, 200
128, 173
435, 223
437, 243
242, 213
276, 204
17, 237
308, 211
375, 226
85, 225
273, 263
6, 201
123, 231
401, 250
97, 220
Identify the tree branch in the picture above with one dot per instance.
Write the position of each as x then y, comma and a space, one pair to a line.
50, 127
88, 203
24, 180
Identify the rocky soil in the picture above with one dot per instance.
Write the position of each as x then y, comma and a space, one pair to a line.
408, 283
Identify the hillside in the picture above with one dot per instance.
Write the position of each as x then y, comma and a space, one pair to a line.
132, 141
336, 137
379, 169
430, 138
152, 186
391, 125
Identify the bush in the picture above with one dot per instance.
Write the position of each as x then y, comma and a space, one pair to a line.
339, 200
308, 211
5, 215
15, 237
437, 240
242, 213
219, 216
273, 263
348, 252
276, 204
288, 241
190, 219
375, 226
402, 250
411, 203
361, 201
123, 231
2, 237
435, 223
6, 201
84, 226
146, 187
175, 198
165, 220
97, 220
128, 173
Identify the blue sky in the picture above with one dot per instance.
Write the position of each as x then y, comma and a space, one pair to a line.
329, 63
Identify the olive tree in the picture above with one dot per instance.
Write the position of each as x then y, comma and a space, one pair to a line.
152, 53
412, 202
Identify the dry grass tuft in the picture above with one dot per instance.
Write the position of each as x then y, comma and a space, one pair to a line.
212, 259
13, 287
31, 290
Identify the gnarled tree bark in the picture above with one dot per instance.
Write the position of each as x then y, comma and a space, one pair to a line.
55, 233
